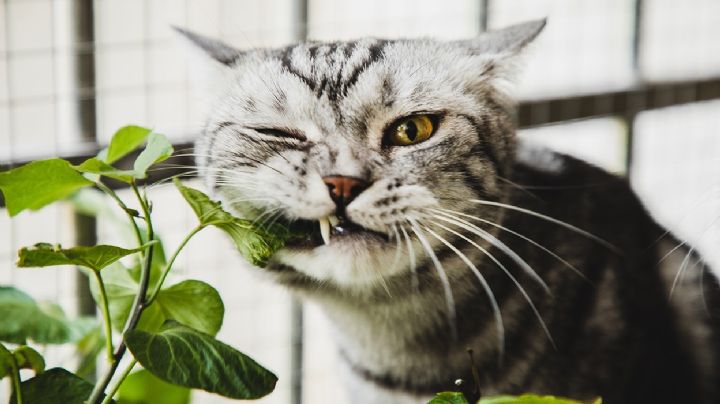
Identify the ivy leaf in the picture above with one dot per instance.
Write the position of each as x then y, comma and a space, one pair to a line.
531, 399
191, 302
124, 141
28, 358
95, 257
96, 166
142, 387
255, 243
21, 318
39, 183
174, 353
56, 385
158, 149
448, 397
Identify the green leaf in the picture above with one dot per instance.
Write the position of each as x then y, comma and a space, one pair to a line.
123, 142
96, 166
95, 257
448, 397
21, 318
158, 149
255, 243
28, 358
56, 385
174, 354
142, 387
39, 183
191, 302
531, 399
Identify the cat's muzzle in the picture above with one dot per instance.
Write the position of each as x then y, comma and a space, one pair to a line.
328, 230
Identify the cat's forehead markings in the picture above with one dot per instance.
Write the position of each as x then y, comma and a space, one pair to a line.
331, 69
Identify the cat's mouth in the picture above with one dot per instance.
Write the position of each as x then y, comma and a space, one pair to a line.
329, 230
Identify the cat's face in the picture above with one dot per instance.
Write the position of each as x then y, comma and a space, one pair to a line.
356, 144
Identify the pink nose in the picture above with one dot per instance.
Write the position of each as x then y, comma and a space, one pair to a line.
344, 189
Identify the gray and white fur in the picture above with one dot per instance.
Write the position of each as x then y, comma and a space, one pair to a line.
548, 268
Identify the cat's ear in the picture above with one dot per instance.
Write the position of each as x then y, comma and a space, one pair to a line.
217, 50
506, 41
210, 66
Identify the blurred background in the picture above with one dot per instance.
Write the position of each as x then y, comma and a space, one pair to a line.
630, 85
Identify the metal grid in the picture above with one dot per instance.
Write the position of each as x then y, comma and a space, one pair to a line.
87, 79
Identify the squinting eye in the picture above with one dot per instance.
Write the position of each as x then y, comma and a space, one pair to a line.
412, 130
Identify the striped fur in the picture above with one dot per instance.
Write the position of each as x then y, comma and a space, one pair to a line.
578, 315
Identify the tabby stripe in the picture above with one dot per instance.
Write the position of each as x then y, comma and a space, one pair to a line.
286, 63
376, 53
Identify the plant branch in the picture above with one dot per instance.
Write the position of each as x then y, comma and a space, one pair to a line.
140, 299
107, 190
14, 374
138, 305
16, 382
170, 263
116, 386
106, 316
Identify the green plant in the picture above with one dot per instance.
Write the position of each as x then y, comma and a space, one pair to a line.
459, 398
169, 329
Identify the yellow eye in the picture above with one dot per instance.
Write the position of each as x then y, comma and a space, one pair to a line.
412, 130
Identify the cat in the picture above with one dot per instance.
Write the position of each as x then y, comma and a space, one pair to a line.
427, 228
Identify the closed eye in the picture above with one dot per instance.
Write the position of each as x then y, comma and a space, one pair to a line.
281, 133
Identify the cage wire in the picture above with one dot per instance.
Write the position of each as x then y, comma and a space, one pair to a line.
632, 86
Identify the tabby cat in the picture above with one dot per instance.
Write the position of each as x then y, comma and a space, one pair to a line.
429, 229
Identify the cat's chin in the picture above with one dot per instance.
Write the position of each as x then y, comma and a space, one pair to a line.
351, 260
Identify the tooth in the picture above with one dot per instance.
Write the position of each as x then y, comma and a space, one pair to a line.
325, 229
334, 221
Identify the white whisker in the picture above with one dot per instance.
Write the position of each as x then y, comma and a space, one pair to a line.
398, 249
509, 275
497, 243
686, 260
552, 220
413, 264
486, 287
449, 299
528, 239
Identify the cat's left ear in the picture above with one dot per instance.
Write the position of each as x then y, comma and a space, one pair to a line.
217, 50
506, 41
210, 64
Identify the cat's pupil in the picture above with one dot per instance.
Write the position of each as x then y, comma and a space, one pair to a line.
411, 130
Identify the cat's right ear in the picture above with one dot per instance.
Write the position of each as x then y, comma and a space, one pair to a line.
506, 41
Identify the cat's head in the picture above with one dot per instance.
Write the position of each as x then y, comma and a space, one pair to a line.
359, 145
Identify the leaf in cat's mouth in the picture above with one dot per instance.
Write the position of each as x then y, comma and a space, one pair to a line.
329, 229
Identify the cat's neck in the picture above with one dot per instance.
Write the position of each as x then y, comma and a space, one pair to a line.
402, 340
